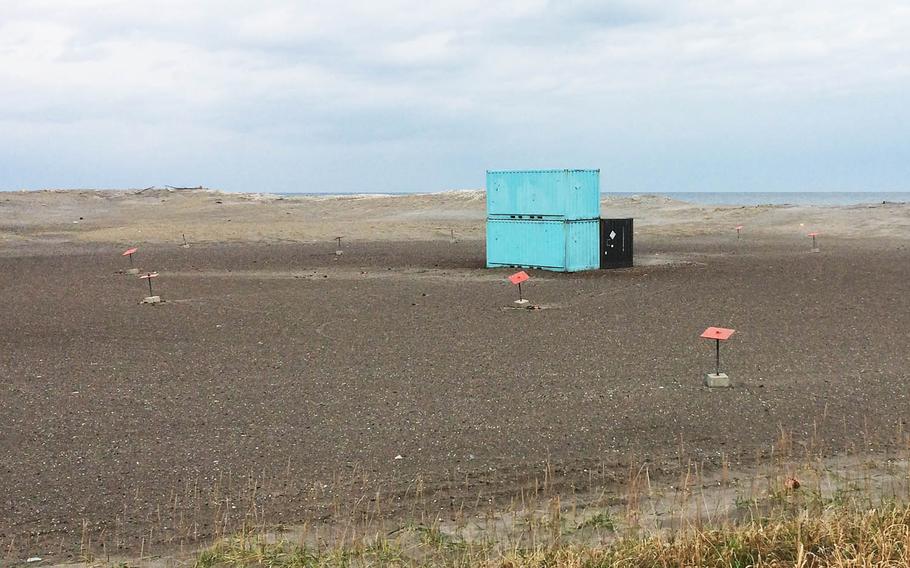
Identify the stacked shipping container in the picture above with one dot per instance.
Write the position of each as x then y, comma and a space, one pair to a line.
546, 219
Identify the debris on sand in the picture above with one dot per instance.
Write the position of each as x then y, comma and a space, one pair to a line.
525, 307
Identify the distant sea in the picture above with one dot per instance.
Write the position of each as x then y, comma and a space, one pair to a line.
782, 198
740, 198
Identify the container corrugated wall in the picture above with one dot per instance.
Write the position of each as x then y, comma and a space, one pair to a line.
530, 244
567, 194
582, 245
563, 246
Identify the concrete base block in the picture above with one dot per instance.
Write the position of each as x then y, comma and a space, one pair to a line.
816, 250
717, 381
521, 301
339, 252
152, 300
132, 271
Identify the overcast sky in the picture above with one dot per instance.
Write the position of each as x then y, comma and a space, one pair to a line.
401, 95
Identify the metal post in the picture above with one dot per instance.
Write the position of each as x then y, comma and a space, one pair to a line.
813, 242
150, 284
131, 260
519, 292
717, 360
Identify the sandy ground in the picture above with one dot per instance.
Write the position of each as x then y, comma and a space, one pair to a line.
282, 383
160, 216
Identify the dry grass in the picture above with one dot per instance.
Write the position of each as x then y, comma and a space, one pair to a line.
795, 508
840, 536
794, 513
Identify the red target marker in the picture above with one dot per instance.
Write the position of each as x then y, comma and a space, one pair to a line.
718, 334
738, 229
130, 252
814, 234
517, 279
148, 276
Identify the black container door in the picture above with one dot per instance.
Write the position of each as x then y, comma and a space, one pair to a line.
615, 243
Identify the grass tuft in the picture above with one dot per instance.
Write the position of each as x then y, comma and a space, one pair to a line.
839, 536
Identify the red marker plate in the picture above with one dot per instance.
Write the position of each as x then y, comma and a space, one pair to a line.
128, 252
720, 333
738, 227
518, 277
812, 234
149, 275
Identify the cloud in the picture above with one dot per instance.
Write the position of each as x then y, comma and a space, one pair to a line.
455, 86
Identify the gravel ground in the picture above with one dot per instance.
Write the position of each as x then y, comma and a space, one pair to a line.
283, 383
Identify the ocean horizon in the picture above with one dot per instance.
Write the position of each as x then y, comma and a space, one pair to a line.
779, 198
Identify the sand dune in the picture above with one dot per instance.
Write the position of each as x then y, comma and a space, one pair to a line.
163, 216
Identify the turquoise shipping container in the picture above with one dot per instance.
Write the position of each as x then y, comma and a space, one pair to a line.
558, 245
544, 194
